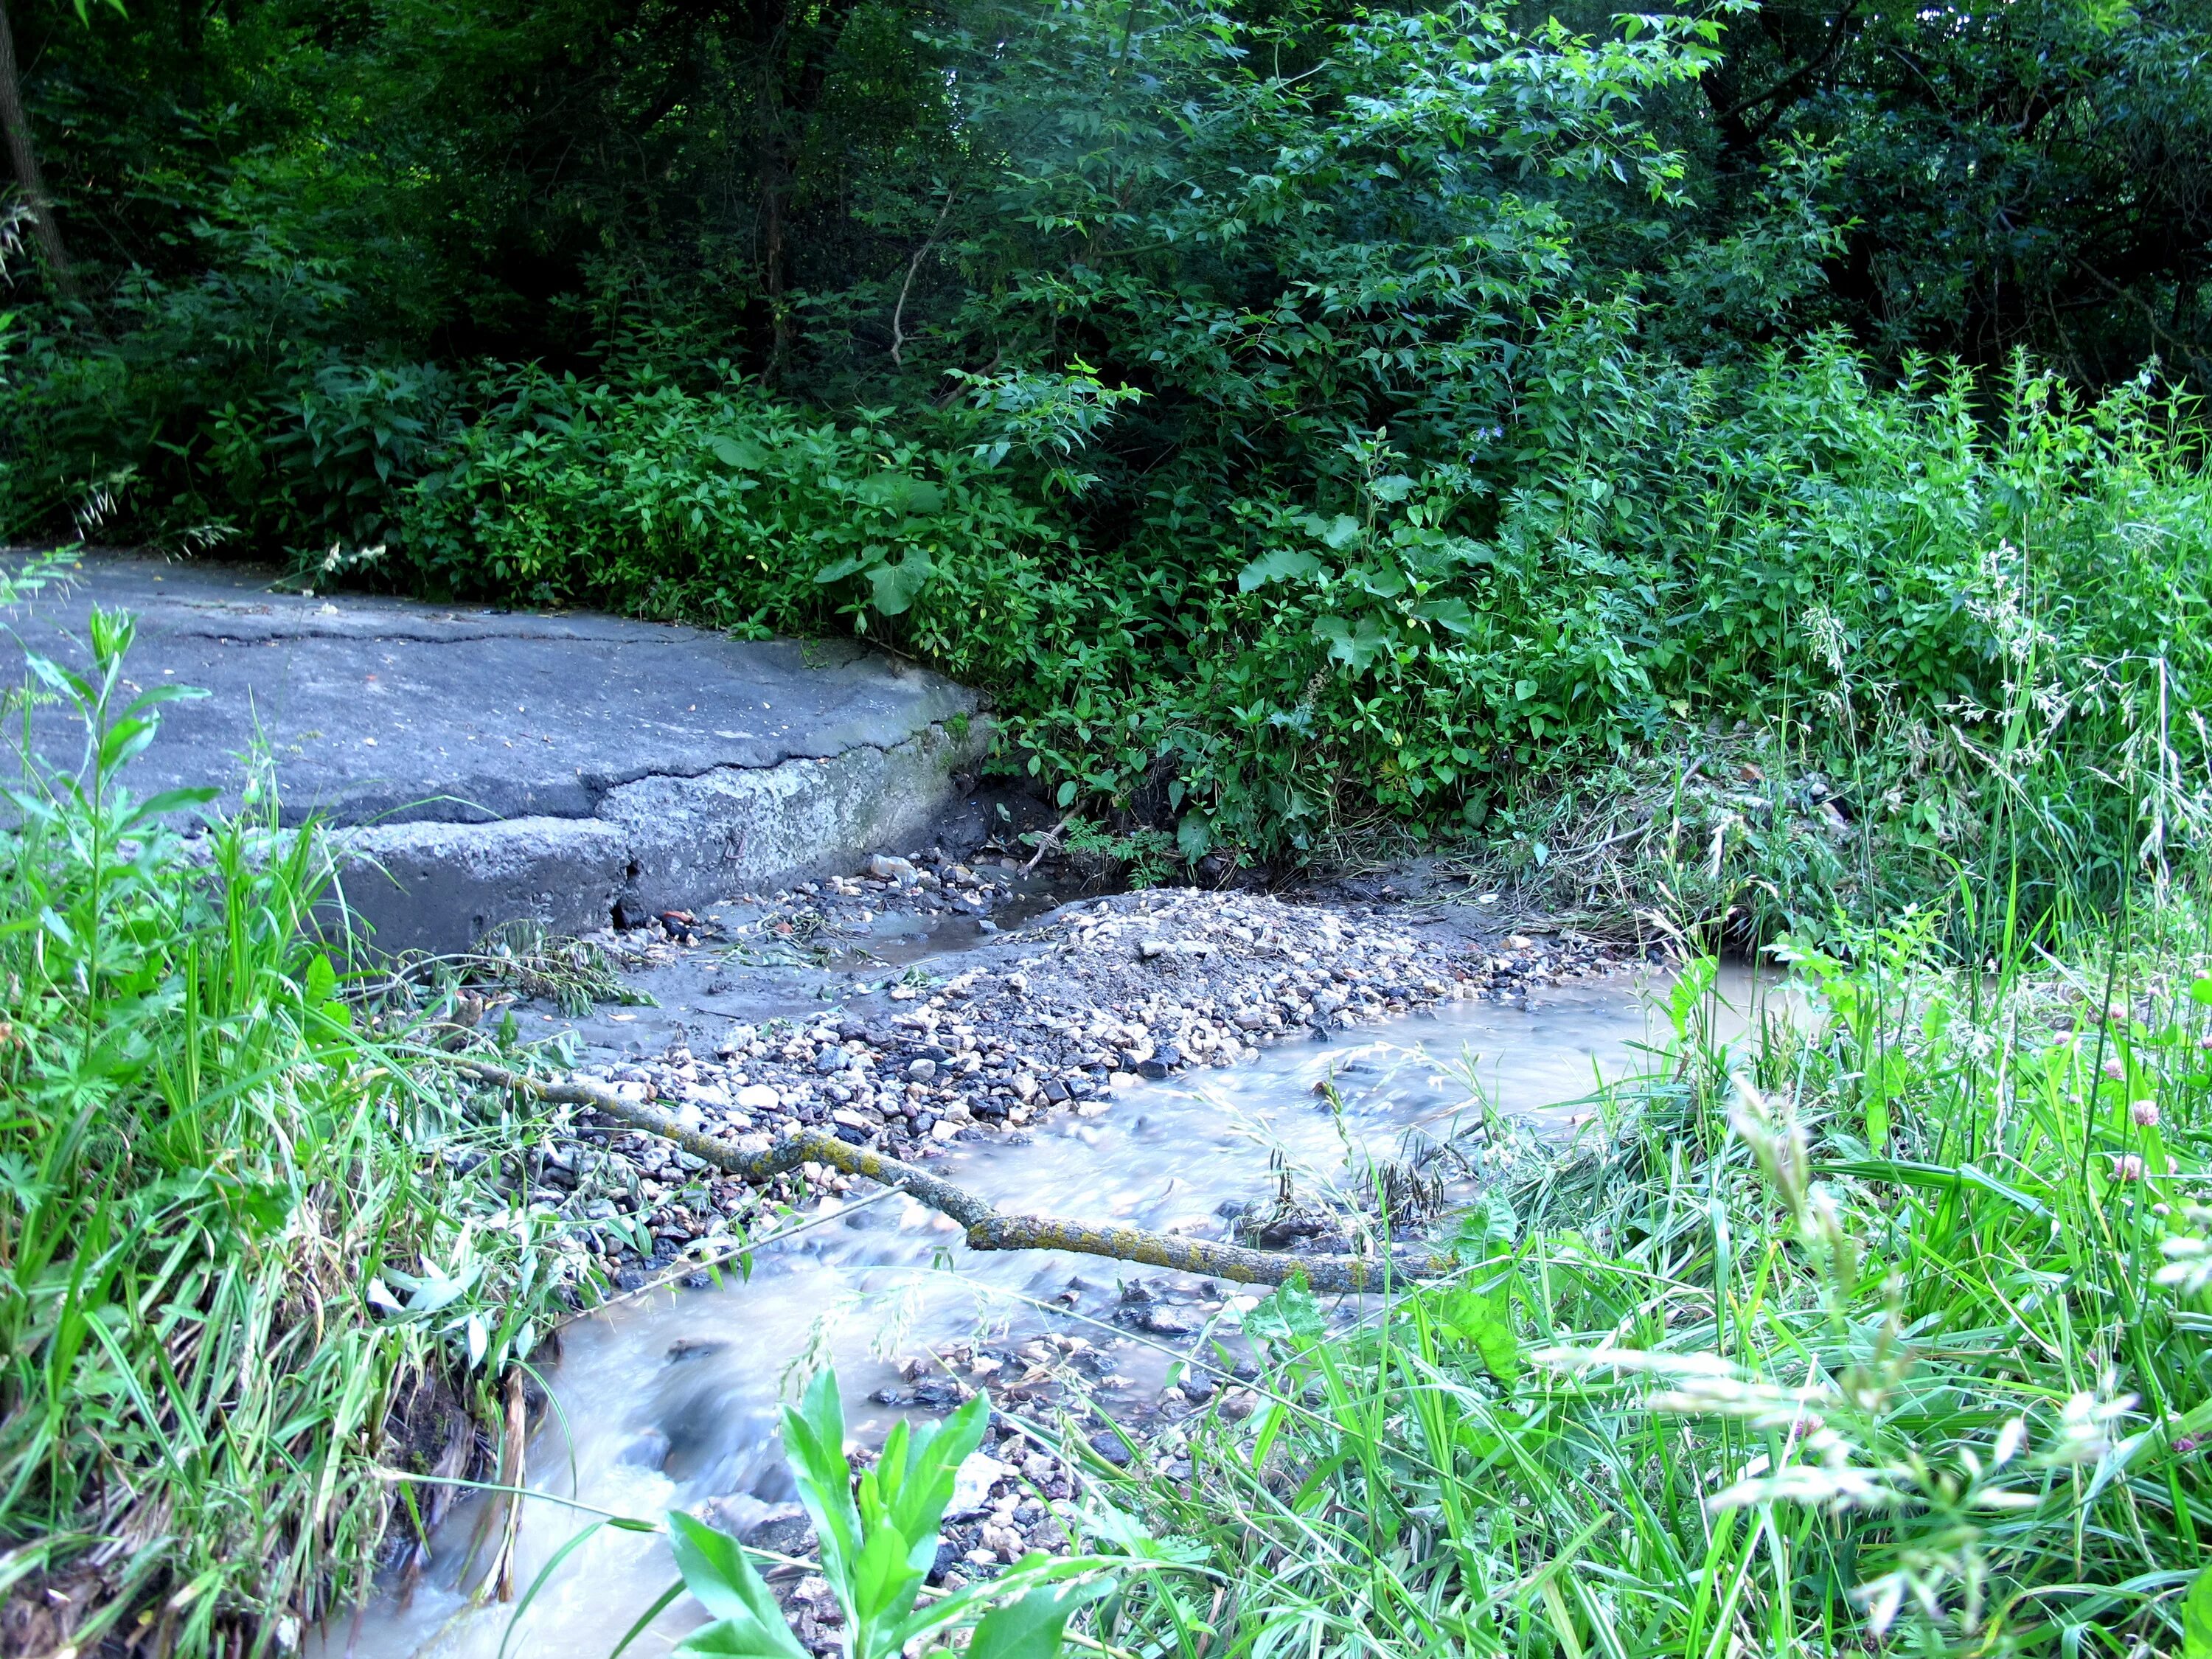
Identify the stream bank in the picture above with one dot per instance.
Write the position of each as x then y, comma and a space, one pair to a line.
1227, 1064
767, 1013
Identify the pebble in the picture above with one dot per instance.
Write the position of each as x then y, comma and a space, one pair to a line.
1059, 1015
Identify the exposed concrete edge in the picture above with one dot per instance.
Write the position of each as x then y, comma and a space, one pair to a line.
657, 844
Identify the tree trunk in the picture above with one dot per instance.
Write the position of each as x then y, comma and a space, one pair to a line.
46, 230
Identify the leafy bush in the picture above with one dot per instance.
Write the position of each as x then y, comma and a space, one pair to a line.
1289, 445
724, 506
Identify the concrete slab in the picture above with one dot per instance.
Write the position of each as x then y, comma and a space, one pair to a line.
485, 765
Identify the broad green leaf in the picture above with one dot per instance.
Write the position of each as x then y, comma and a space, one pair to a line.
1035, 1626
2196, 1618
732, 1639
1356, 647
743, 456
1284, 564
1453, 616
168, 801
1483, 1319
884, 1580
931, 1468
814, 1440
724, 1581
897, 585
1289, 1313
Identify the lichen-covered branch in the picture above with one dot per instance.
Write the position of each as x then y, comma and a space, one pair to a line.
987, 1229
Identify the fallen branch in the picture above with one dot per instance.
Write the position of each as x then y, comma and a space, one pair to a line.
987, 1229
1046, 841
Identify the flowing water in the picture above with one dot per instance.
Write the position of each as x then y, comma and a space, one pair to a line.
665, 1401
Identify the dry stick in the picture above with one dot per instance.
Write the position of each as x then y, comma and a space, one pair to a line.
987, 1229
1046, 841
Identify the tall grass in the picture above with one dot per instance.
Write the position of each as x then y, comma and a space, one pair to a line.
1883, 1331
235, 1256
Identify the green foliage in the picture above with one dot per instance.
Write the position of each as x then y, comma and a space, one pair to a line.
1309, 426
1779, 1388
878, 1540
723, 505
234, 1251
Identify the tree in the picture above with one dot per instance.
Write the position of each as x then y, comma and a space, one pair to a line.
46, 230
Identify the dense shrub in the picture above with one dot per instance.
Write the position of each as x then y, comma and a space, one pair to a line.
1274, 424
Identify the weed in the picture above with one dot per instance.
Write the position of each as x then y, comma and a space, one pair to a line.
1888, 1328
237, 1241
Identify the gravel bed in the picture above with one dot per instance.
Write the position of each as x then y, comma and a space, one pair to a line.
1053, 1017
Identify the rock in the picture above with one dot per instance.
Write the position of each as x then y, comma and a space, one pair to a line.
1055, 1092
831, 1060
1112, 1448
922, 1070
1180, 947
972, 1482
758, 1098
884, 868
1249, 1019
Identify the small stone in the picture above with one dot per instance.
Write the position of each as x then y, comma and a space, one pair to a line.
757, 1097
831, 1060
884, 868
922, 1070
972, 1483
1249, 1019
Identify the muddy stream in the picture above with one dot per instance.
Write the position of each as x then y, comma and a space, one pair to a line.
671, 1400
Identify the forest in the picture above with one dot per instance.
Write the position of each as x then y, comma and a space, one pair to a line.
1734, 475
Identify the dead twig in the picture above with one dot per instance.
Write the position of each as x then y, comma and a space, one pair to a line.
1046, 841
986, 1229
